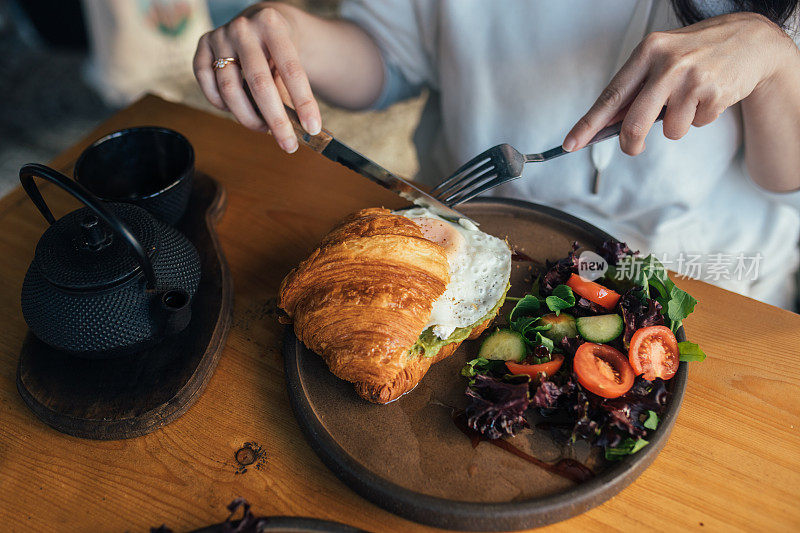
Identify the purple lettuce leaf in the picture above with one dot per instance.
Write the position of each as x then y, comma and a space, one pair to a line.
570, 345
249, 523
638, 311
559, 272
497, 408
613, 251
556, 392
584, 307
604, 422
626, 412
546, 395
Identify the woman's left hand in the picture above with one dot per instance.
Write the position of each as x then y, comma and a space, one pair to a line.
696, 72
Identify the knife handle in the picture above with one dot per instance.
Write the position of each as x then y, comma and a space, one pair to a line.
316, 142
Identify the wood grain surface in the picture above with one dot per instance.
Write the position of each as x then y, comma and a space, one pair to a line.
732, 462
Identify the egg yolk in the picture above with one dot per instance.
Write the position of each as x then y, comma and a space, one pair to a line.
442, 233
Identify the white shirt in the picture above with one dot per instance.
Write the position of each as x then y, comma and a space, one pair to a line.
522, 72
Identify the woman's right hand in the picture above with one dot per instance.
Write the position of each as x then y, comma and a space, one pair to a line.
261, 38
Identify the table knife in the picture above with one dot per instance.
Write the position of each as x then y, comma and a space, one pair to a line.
326, 144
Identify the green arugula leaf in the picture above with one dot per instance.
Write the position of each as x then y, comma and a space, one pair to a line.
562, 298
523, 324
540, 340
535, 291
679, 306
532, 326
657, 276
480, 365
649, 273
565, 293
470, 370
531, 332
690, 351
629, 446
526, 307
638, 445
652, 420
641, 281
616, 281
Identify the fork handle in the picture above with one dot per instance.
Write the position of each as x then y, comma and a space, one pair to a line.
606, 133
615, 129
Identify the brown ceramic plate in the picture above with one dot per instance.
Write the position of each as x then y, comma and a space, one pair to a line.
409, 457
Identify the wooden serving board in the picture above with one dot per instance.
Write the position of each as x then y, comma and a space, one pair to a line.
133, 395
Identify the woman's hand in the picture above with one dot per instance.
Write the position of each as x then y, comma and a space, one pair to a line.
261, 38
696, 72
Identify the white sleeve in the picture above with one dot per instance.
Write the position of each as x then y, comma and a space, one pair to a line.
399, 28
791, 199
792, 27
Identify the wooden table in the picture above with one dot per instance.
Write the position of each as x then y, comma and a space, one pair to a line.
733, 460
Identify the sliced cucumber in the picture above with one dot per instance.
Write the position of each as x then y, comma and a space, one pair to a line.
504, 345
563, 326
600, 329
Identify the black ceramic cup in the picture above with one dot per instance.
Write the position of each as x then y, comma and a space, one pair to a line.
148, 166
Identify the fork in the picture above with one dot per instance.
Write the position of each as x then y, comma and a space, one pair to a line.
500, 164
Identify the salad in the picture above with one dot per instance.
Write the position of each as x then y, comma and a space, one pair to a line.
591, 356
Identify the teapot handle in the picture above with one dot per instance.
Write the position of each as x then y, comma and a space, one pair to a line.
32, 170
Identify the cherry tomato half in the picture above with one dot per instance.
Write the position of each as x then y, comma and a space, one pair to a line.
603, 370
549, 368
594, 292
654, 352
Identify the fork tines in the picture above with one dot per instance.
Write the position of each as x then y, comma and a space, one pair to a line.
467, 178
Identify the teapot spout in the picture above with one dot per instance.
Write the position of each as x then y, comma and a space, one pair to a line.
175, 310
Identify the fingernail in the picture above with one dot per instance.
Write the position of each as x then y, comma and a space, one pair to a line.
289, 145
569, 144
312, 125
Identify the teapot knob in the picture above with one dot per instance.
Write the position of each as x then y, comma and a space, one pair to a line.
94, 234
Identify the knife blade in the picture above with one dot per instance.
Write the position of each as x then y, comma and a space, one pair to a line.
327, 145
346, 156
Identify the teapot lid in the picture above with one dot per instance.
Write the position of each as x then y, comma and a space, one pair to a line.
81, 252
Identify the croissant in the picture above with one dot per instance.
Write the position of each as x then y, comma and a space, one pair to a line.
364, 296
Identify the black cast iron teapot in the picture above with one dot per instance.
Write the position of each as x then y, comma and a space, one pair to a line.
106, 279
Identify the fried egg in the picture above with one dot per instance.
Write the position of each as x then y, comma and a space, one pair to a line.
479, 264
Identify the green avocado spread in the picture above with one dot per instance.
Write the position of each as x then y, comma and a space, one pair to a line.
428, 344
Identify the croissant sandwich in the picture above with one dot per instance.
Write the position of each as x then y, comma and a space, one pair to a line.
385, 295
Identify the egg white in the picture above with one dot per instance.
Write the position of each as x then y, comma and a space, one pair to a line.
480, 267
